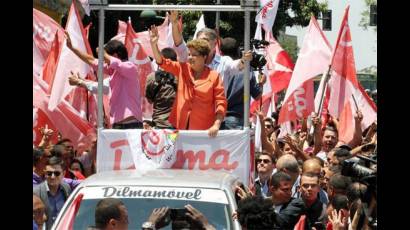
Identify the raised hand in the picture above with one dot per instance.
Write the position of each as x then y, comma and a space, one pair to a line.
337, 220
358, 116
198, 218
153, 34
316, 120
157, 217
173, 16
74, 79
247, 56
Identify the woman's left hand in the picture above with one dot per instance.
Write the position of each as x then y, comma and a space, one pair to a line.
213, 131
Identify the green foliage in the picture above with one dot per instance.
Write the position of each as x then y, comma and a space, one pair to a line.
365, 20
290, 45
290, 13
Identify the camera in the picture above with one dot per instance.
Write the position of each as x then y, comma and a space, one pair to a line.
258, 60
161, 78
178, 214
359, 169
352, 167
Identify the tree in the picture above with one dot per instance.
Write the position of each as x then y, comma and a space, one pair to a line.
365, 20
290, 45
290, 13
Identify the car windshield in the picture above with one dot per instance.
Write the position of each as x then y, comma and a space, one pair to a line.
139, 209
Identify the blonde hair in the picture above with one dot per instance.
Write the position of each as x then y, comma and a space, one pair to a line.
200, 45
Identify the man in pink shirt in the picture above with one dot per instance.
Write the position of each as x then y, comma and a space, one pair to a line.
122, 85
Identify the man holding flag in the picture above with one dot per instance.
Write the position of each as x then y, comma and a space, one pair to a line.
125, 103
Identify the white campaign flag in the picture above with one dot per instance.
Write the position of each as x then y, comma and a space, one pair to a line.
267, 14
200, 25
191, 150
68, 61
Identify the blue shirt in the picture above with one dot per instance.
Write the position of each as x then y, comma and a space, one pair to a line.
234, 93
35, 227
56, 202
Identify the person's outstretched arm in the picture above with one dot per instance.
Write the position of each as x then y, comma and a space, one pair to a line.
85, 57
153, 33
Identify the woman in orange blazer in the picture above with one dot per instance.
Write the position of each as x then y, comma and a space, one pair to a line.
200, 103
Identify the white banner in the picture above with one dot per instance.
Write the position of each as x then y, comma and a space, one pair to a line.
142, 149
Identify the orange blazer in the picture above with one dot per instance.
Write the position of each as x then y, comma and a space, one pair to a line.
197, 101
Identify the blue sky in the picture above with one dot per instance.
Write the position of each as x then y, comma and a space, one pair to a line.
364, 41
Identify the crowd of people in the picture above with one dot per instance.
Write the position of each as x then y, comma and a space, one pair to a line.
311, 181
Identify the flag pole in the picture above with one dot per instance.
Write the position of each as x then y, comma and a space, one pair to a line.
355, 103
100, 66
326, 77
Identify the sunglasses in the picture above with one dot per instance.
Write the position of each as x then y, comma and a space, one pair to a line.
265, 161
50, 173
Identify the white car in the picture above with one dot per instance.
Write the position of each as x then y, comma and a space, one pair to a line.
210, 192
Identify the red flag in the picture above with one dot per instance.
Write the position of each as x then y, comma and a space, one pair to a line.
345, 88
40, 120
138, 55
122, 28
279, 64
313, 60
300, 225
51, 62
68, 61
44, 30
65, 118
69, 216
164, 40
87, 29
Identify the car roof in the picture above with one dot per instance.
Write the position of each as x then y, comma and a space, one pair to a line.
162, 177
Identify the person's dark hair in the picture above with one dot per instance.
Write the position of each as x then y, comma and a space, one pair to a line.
116, 47
340, 201
150, 123
356, 191
75, 160
230, 47
341, 153
272, 158
330, 128
55, 160
169, 53
281, 143
339, 182
268, 119
57, 150
347, 147
62, 141
275, 115
106, 209
278, 177
256, 213
37, 154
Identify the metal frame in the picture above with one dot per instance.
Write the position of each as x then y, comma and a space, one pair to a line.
246, 6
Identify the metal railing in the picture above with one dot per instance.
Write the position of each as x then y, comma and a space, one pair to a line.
246, 6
